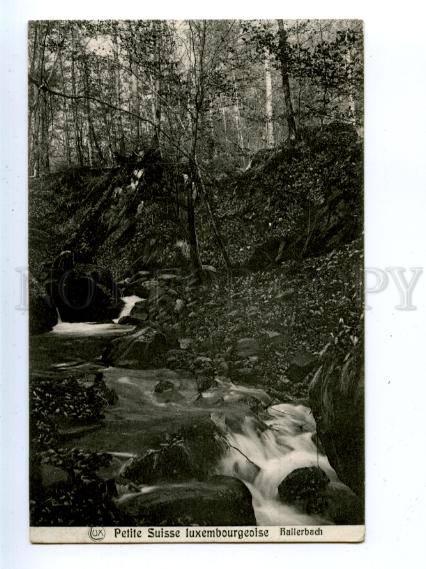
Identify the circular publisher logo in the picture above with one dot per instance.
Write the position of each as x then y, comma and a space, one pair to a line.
97, 534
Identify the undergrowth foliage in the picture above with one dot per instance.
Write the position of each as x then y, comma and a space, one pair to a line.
220, 182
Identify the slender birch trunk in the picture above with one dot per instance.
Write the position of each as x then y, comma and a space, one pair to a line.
283, 54
270, 141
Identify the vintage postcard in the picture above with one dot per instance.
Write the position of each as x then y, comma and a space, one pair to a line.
196, 281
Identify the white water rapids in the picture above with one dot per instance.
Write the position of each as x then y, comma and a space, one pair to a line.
261, 452
283, 447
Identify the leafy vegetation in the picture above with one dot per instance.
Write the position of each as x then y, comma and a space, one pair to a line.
214, 169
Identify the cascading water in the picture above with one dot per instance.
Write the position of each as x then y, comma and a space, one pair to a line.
262, 458
262, 452
93, 328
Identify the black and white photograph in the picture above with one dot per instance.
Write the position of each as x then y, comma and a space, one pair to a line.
196, 280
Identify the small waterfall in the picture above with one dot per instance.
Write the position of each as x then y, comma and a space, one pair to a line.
129, 302
59, 316
93, 328
283, 447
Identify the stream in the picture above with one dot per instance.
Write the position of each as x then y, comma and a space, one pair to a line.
261, 458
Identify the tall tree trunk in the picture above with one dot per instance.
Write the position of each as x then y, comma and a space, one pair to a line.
122, 142
134, 102
43, 111
156, 83
211, 144
44, 146
283, 56
93, 141
195, 117
74, 106
270, 141
237, 115
65, 111
351, 90
215, 226
192, 228
325, 83
223, 111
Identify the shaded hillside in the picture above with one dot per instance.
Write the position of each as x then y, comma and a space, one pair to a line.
296, 201
291, 202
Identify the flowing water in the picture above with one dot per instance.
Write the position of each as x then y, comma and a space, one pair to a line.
284, 446
262, 452
95, 329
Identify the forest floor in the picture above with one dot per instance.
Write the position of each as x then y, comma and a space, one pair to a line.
261, 327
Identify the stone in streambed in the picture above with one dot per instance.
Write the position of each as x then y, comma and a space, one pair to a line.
310, 490
141, 350
192, 452
203, 367
204, 382
221, 501
303, 484
164, 385
99, 390
138, 315
133, 321
85, 293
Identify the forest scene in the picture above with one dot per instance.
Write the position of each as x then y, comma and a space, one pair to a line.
196, 272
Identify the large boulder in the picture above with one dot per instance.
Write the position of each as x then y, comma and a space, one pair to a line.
164, 385
193, 452
309, 489
303, 485
143, 349
85, 293
220, 501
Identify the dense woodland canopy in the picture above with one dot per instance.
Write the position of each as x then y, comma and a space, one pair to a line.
202, 100
207, 89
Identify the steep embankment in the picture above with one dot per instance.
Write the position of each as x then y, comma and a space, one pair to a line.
296, 201
292, 202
